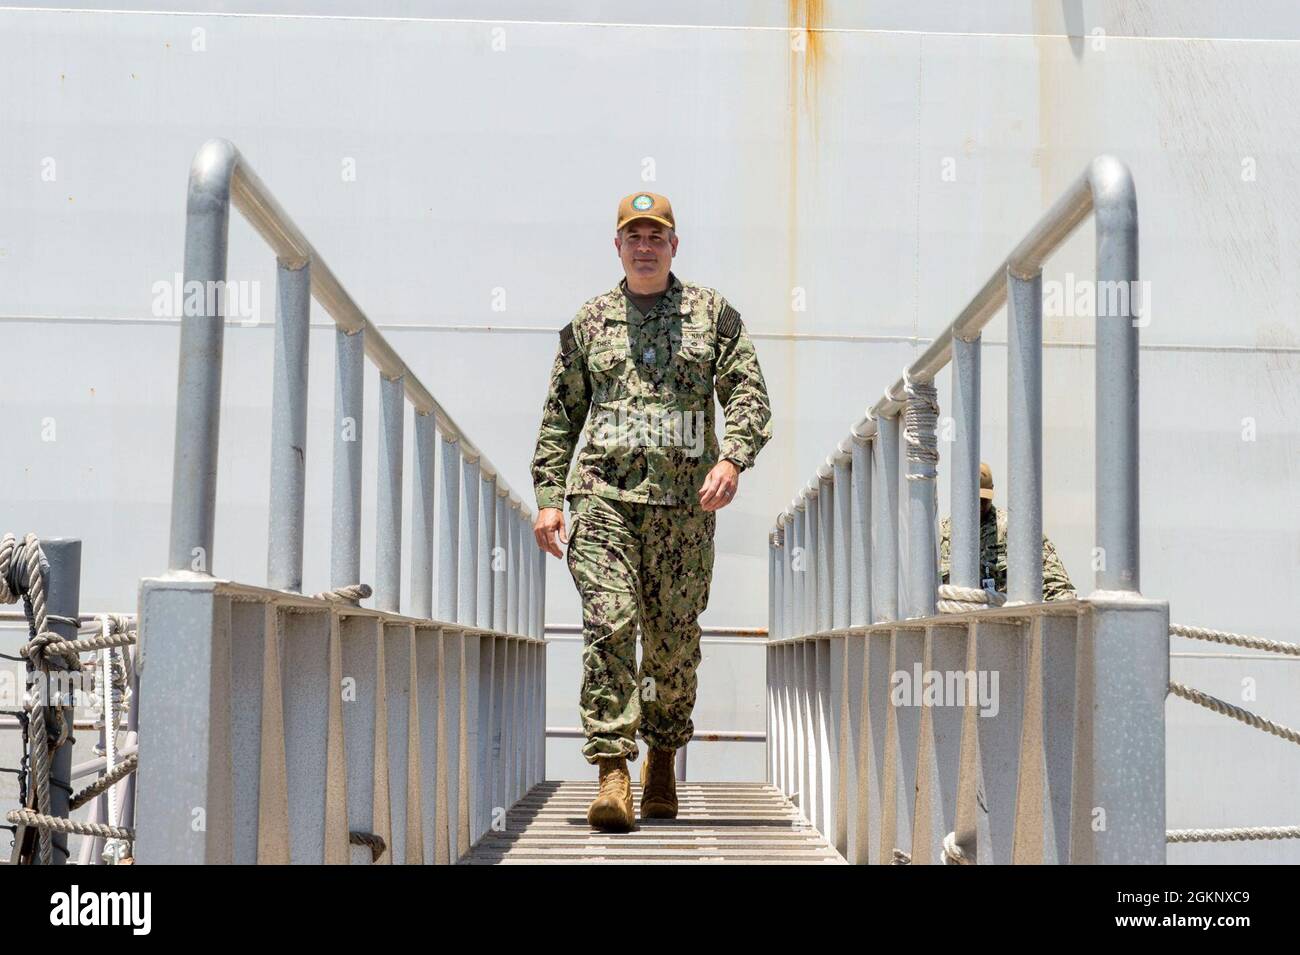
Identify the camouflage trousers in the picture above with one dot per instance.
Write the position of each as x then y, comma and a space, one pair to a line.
649, 564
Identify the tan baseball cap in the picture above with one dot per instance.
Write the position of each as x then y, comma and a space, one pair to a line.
986, 482
645, 205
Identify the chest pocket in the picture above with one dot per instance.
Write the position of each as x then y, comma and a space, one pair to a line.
693, 365
610, 366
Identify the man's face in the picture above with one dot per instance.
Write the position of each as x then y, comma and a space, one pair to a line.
646, 249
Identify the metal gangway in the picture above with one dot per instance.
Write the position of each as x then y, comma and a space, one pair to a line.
280, 726
269, 725
878, 720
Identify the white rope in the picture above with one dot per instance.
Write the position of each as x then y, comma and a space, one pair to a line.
1232, 835
954, 599
920, 415
954, 854
22, 575
1217, 705
1235, 639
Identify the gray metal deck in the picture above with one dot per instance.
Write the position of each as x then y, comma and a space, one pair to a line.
718, 823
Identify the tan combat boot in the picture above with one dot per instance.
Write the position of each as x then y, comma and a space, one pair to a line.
659, 785
611, 810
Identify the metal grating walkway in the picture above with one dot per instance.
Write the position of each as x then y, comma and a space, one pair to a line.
718, 823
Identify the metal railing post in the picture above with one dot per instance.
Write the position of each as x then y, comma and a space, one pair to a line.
349, 409
289, 426
512, 566
860, 535
826, 556
198, 388
1024, 438
841, 537
64, 600
964, 543
388, 497
799, 565
773, 586
500, 559
1115, 201
448, 500
922, 551
467, 558
788, 582
884, 518
422, 516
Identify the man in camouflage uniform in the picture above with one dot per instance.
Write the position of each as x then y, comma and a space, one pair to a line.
637, 366
993, 549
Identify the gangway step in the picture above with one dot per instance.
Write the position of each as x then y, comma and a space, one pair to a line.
717, 823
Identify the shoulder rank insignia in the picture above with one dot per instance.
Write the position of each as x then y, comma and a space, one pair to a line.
568, 341
729, 322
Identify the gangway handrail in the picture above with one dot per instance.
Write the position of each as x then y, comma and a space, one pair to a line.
1106, 189
877, 717
220, 176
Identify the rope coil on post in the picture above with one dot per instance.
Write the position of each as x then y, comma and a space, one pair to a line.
954, 599
23, 572
920, 415
1223, 708
953, 853
351, 594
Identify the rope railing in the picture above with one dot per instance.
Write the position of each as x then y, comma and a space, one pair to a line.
1235, 639
1251, 834
1223, 708
23, 572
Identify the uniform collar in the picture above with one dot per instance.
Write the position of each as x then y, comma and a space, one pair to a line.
671, 298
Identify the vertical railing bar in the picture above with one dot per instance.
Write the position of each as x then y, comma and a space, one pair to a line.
467, 543
289, 426
512, 565
788, 583
448, 531
964, 543
349, 408
526, 548
500, 560
422, 517
860, 553
487, 523
1115, 203
388, 499
799, 564
1024, 438
812, 545
198, 387
841, 537
826, 547
884, 517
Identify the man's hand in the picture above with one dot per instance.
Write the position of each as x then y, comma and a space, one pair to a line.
720, 486
550, 521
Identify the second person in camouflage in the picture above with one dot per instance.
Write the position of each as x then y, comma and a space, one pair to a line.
993, 549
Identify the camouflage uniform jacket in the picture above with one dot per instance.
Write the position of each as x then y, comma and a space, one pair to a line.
643, 386
993, 558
